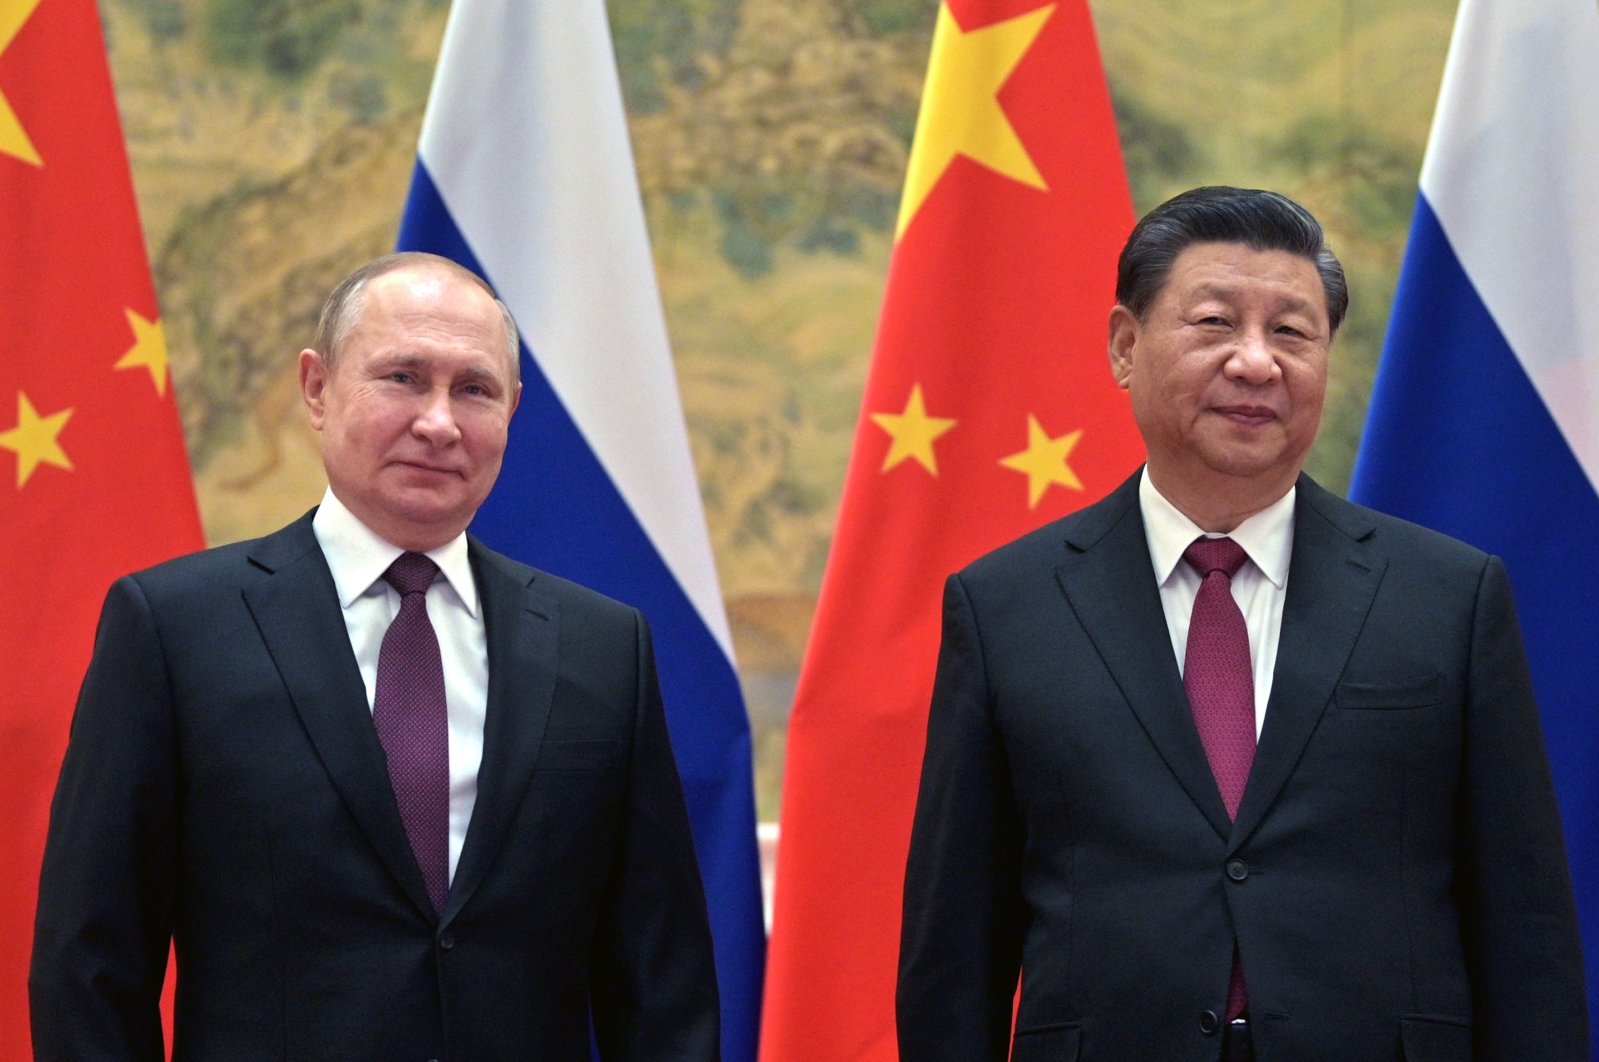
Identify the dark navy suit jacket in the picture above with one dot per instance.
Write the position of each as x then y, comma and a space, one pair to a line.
224, 789
1395, 881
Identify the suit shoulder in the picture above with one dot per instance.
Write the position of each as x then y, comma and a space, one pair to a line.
570, 595
1403, 541
199, 565
1043, 549
1041, 546
225, 567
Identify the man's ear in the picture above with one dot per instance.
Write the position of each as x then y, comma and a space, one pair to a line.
1123, 338
313, 385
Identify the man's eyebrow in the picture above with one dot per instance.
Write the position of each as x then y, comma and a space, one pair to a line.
478, 372
401, 360
397, 360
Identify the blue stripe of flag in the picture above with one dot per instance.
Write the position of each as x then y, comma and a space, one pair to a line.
555, 507
1458, 439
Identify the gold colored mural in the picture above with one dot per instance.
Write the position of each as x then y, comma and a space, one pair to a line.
272, 143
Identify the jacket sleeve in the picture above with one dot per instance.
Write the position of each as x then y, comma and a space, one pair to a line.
654, 984
1518, 918
107, 892
960, 943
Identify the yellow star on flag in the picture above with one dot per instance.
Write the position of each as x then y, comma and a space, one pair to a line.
33, 440
960, 112
913, 433
149, 350
1044, 461
13, 138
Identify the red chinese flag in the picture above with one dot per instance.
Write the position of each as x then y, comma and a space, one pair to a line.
989, 410
94, 481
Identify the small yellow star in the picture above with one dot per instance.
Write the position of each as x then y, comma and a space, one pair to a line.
33, 440
1044, 461
149, 350
913, 433
13, 138
960, 112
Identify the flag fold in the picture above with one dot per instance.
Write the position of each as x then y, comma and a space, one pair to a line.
524, 174
989, 409
94, 480
1484, 418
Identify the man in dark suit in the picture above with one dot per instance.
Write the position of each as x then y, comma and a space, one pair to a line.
1381, 876
391, 795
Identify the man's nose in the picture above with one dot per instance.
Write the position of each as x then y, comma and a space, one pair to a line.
1252, 359
435, 420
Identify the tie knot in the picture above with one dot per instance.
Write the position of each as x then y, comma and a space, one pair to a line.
411, 573
1208, 555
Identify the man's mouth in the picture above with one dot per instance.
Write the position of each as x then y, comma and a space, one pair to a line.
1247, 413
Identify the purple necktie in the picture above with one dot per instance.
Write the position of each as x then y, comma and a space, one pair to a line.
1221, 688
413, 725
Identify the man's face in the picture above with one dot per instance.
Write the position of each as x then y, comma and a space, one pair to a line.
413, 416
1228, 372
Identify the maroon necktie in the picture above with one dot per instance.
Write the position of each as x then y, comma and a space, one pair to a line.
1221, 688
413, 725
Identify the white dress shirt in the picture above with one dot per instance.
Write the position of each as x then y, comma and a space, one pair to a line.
1259, 586
358, 558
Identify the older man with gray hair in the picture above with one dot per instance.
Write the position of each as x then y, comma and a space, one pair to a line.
390, 794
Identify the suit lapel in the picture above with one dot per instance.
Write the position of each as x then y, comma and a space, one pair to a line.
1110, 584
521, 625
297, 612
1332, 580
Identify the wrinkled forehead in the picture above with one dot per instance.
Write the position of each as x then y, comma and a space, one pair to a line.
1235, 272
429, 299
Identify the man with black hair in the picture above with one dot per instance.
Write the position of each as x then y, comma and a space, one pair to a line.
1224, 767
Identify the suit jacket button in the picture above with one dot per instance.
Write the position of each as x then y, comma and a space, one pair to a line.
1237, 869
446, 942
1209, 1022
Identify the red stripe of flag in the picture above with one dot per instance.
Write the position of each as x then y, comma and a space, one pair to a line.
94, 481
989, 409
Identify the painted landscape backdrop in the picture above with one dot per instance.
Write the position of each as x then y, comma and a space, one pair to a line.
272, 143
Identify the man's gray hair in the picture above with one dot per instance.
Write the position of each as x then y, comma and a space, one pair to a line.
342, 312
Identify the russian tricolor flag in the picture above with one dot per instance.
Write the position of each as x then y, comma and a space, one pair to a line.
1484, 420
525, 175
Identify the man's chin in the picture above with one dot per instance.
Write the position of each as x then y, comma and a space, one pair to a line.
1253, 465
426, 516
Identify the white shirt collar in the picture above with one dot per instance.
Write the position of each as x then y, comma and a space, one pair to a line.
1267, 536
358, 557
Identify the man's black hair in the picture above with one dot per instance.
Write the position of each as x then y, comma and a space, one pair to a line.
1261, 220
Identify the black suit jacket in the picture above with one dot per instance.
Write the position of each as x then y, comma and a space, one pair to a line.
1395, 881
224, 788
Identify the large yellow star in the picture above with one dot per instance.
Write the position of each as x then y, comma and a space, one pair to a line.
13, 139
913, 433
33, 440
1044, 461
960, 112
149, 350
